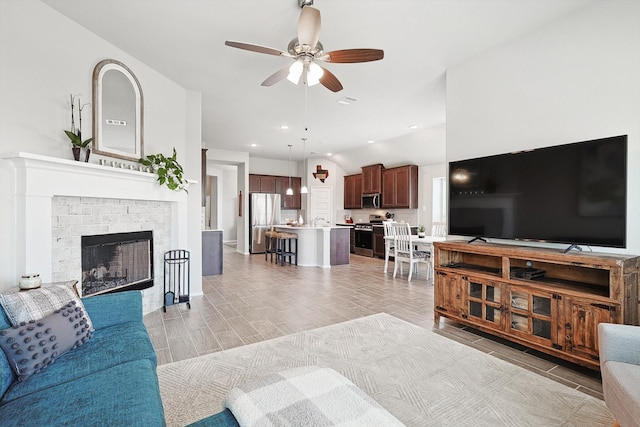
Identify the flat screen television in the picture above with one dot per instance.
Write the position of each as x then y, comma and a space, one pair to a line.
573, 193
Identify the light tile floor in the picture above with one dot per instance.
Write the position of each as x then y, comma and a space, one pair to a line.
254, 300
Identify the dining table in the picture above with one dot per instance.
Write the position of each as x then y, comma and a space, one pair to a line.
424, 242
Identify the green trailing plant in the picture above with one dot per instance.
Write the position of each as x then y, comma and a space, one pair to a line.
168, 169
75, 134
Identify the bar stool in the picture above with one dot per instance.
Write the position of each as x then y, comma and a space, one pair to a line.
271, 244
285, 250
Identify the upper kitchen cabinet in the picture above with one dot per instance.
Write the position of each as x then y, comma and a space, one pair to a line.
293, 201
353, 191
262, 184
372, 179
400, 187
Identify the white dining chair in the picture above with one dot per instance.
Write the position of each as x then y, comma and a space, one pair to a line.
388, 242
439, 229
405, 252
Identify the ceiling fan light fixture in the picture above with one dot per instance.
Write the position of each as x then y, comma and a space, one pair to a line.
314, 74
295, 72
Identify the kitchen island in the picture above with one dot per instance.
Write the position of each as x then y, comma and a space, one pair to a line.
320, 246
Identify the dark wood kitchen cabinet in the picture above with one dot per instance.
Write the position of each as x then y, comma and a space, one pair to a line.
262, 184
353, 191
278, 185
293, 201
372, 179
400, 187
378, 242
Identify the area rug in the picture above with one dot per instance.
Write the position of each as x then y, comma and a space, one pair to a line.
422, 378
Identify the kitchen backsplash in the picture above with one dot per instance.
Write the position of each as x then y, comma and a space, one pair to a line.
362, 215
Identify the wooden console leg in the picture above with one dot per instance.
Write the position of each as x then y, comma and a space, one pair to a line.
436, 321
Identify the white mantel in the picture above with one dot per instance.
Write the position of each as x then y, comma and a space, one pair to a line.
38, 179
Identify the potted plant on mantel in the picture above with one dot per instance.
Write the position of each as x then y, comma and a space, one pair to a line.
75, 134
168, 169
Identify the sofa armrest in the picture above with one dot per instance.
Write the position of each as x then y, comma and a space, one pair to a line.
620, 343
111, 309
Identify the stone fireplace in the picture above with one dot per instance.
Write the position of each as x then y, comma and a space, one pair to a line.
59, 201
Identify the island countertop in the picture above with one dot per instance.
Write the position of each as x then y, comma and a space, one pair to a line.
307, 227
320, 246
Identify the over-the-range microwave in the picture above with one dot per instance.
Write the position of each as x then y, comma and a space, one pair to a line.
372, 201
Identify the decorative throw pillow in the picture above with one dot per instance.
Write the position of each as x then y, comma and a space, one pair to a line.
32, 346
37, 303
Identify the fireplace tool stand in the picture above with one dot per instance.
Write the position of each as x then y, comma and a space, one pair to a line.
176, 278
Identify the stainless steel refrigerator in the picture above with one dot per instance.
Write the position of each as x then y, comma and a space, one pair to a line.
264, 211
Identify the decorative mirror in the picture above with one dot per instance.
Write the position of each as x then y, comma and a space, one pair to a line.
117, 111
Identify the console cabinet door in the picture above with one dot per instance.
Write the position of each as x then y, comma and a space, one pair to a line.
448, 294
581, 329
484, 302
534, 315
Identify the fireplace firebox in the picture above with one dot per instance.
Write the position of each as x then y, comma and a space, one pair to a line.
117, 262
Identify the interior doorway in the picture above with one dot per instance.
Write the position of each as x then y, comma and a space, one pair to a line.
321, 205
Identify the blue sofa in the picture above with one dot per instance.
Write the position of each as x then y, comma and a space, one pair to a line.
109, 381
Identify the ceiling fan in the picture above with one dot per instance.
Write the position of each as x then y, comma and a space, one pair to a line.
306, 49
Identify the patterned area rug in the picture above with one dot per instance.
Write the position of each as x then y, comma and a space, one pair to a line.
420, 377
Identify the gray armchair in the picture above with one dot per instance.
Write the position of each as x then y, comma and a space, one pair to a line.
619, 347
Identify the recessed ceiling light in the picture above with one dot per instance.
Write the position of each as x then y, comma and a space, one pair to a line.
413, 127
329, 154
284, 127
371, 141
253, 145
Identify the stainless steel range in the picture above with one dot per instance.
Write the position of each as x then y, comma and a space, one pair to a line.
364, 235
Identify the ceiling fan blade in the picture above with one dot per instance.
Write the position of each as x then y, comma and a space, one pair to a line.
276, 77
330, 81
257, 48
309, 27
347, 56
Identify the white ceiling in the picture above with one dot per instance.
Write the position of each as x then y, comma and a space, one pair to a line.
184, 40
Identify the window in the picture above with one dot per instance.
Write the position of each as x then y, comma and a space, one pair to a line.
439, 205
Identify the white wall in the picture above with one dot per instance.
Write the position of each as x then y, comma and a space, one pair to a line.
574, 80
229, 191
45, 57
260, 166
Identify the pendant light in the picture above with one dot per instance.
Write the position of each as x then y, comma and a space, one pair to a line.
289, 190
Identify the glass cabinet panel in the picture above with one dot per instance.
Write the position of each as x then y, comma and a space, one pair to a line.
493, 294
519, 322
542, 305
519, 300
542, 328
484, 302
531, 314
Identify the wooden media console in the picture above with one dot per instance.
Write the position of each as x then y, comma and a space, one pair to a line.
538, 297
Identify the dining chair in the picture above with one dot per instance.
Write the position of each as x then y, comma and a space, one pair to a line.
405, 252
388, 242
439, 229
